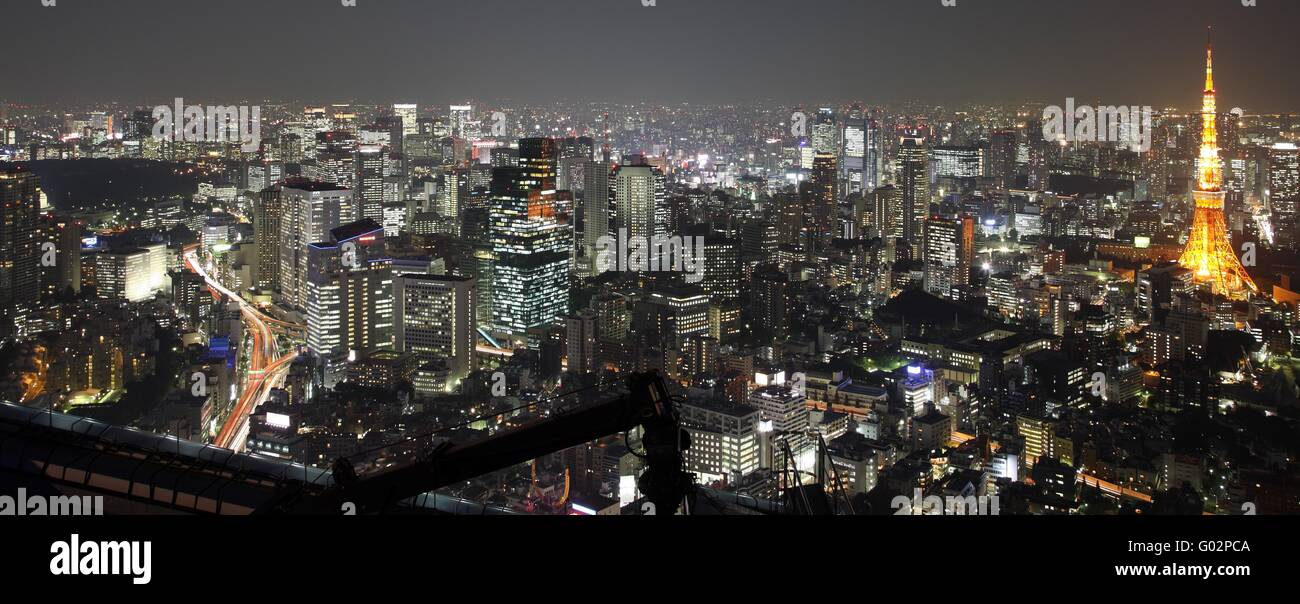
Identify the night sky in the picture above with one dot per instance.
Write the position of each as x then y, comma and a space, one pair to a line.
1143, 52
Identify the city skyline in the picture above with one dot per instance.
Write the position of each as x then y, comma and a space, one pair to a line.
288, 261
1082, 302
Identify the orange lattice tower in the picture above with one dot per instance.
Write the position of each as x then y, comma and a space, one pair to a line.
1208, 254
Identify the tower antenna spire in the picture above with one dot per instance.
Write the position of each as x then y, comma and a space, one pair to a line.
1209, 58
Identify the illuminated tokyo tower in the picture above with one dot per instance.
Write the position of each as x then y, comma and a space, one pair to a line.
1208, 254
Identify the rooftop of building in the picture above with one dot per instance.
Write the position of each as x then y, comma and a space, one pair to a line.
983, 335
724, 407
849, 386
852, 445
313, 186
830, 417
352, 230
1049, 359
436, 278
385, 356
931, 418
918, 307
774, 391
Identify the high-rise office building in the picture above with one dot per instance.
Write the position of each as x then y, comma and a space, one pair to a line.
639, 200
191, 298
19, 249
459, 118
336, 166
582, 341
949, 252
1284, 181
822, 202
873, 167
451, 197
595, 214
309, 210
825, 136
759, 238
887, 215
368, 186
406, 112
349, 294
132, 274
267, 214
673, 314
853, 155
433, 317
613, 318
574, 155
913, 182
722, 274
530, 281
66, 236
1038, 434
385, 132
790, 216
1001, 162
263, 174
956, 169
770, 302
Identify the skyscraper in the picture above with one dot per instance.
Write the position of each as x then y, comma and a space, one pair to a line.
530, 276
459, 117
1209, 254
913, 182
825, 136
790, 216
822, 204
19, 249
887, 215
368, 186
309, 209
267, 214
455, 188
722, 274
770, 302
957, 169
873, 162
595, 213
574, 155
949, 252
67, 238
1284, 182
408, 115
1001, 162
639, 200
349, 295
853, 154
